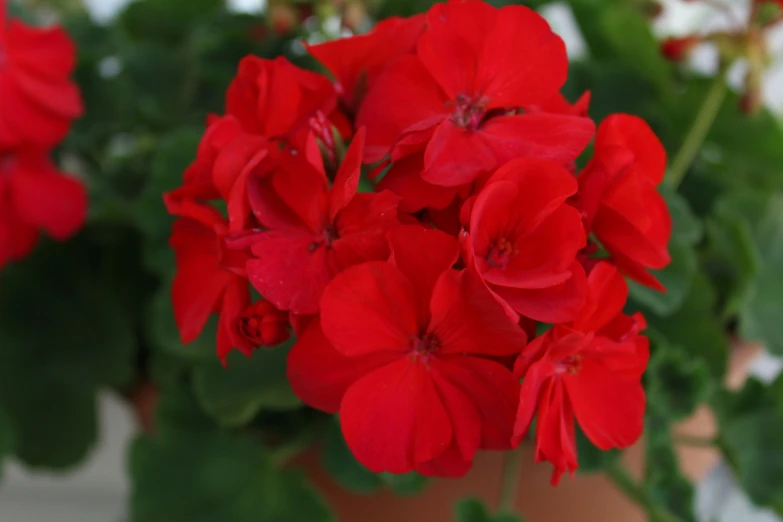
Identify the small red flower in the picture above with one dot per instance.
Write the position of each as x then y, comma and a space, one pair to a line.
314, 232
401, 351
522, 238
35, 196
589, 369
206, 284
264, 325
356, 62
459, 100
619, 201
39, 101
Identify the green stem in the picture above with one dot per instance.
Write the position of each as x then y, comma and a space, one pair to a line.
698, 132
510, 485
626, 483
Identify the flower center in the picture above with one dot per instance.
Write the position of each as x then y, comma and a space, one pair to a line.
425, 346
468, 112
329, 236
499, 253
570, 365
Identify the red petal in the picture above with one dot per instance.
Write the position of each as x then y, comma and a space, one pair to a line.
422, 255
370, 308
404, 179
531, 70
235, 300
320, 375
347, 181
633, 133
555, 433
48, 199
542, 136
456, 156
610, 409
607, 296
393, 418
289, 271
467, 319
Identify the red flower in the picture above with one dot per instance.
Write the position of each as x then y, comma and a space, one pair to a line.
356, 62
589, 369
35, 196
619, 200
264, 325
523, 239
458, 99
205, 284
39, 100
314, 232
400, 351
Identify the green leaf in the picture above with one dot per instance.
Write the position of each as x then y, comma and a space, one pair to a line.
208, 476
592, 459
664, 483
6, 438
343, 466
676, 382
696, 328
63, 335
687, 229
762, 307
751, 421
473, 510
676, 278
174, 153
234, 395
406, 484
630, 37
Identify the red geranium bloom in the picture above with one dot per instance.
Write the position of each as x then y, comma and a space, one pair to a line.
276, 99
314, 232
38, 98
459, 98
208, 280
400, 351
356, 62
523, 239
35, 196
589, 369
619, 200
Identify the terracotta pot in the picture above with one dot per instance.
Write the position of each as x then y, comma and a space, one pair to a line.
585, 498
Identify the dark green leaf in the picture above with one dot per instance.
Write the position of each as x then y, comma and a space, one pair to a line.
676, 382
209, 476
695, 328
234, 395
405, 484
473, 510
676, 278
61, 338
686, 227
6, 438
343, 466
762, 307
592, 459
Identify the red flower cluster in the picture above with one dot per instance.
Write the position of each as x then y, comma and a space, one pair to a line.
38, 104
412, 302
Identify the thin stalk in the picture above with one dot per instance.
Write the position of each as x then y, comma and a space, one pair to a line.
698, 132
510, 485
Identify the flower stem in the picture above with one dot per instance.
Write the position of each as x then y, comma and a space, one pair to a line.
626, 483
510, 485
698, 132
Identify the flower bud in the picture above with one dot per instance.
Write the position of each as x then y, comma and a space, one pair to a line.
264, 325
676, 49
